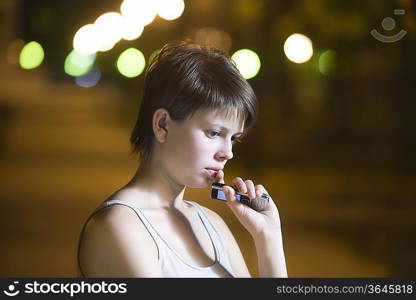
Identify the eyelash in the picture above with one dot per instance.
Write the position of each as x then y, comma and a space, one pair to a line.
234, 140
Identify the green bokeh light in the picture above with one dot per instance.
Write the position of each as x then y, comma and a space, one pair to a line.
131, 62
78, 64
327, 62
248, 62
31, 55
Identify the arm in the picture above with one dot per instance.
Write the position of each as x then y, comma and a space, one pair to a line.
270, 255
264, 226
115, 243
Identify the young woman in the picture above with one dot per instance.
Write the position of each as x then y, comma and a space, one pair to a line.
195, 106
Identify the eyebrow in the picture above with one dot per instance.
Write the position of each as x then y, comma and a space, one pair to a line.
224, 128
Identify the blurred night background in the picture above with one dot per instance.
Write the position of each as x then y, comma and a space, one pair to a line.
334, 145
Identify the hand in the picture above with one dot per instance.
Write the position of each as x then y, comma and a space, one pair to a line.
256, 222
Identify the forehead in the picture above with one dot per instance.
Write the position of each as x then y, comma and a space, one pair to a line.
229, 118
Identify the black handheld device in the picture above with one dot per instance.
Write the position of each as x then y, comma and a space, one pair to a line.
259, 203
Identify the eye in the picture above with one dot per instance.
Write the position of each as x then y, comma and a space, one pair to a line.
236, 140
212, 133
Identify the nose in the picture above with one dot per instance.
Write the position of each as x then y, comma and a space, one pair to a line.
225, 152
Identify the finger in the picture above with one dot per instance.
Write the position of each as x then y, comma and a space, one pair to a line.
251, 191
240, 185
229, 194
219, 177
260, 190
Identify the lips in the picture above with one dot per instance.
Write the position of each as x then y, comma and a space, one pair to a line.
212, 171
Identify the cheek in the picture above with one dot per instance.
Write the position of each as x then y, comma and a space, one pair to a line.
199, 148
188, 149
188, 157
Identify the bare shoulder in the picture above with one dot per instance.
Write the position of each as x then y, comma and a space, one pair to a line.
116, 219
116, 214
115, 243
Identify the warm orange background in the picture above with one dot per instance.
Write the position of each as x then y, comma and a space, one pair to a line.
335, 152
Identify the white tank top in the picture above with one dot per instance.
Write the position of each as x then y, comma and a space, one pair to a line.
172, 264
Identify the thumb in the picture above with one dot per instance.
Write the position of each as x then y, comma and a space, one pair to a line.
219, 177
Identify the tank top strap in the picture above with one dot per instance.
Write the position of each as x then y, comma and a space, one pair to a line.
215, 237
152, 231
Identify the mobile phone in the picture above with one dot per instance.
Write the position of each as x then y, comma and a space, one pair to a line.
259, 203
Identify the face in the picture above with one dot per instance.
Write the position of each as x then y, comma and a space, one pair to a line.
196, 148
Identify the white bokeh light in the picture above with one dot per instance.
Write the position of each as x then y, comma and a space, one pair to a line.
131, 30
139, 11
298, 48
170, 9
109, 30
86, 39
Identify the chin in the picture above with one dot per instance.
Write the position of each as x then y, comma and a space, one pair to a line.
201, 184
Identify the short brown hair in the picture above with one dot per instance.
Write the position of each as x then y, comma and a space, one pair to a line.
185, 77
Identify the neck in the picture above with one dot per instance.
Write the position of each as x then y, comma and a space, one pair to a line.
155, 184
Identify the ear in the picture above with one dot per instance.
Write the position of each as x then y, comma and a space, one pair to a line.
160, 121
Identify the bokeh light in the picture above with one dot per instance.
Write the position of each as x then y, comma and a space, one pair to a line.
77, 64
130, 30
89, 79
298, 48
108, 28
86, 39
170, 9
111, 27
247, 61
327, 62
31, 55
139, 11
131, 62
